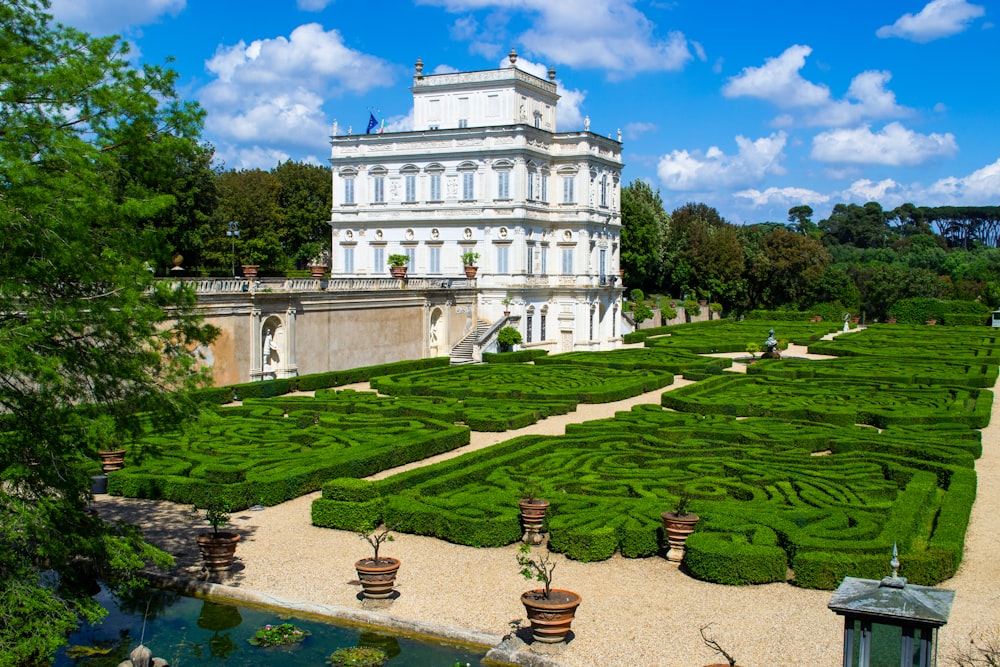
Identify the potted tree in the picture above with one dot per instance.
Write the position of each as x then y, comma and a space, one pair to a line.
218, 548
469, 259
506, 301
317, 270
532, 515
103, 432
398, 264
678, 524
378, 573
550, 610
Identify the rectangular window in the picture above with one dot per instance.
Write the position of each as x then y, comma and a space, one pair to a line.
531, 260
545, 188
603, 265
348, 191
531, 187
503, 257
503, 185
527, 329
411, 252
568, 197
378, 260
435, 259
468, 186
541, 327
604, 190
544, 252
593, 316
349, 259
567, 261
435, 187
463, 122
379, 190
411, 188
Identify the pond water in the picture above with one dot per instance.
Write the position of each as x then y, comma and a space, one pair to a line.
187, 631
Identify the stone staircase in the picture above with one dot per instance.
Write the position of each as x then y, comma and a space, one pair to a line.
462, 353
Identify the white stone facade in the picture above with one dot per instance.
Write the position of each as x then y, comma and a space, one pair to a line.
485, 171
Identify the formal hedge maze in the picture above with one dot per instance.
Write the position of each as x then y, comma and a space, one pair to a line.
822, 499
272, 450
734, 336
676, 361
582, 384
903, 370
833, 401
928, 343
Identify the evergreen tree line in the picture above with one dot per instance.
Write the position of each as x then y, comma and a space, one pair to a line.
282, 215
861, 259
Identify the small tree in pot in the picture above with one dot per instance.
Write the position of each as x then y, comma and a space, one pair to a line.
550, 610
218, 548
532, 514
469, 259
678, 524
378, 573
398, 265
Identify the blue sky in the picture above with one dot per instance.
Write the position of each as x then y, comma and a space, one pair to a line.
750, 107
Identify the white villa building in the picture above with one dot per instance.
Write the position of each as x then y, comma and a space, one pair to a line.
485, 171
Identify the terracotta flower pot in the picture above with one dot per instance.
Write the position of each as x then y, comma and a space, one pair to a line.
377, 577
550, 618
398, 271
317, 270
112, 459
218, 550
471, 271
677, 528
532, 518
250, 270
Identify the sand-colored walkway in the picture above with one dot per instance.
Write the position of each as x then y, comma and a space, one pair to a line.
635, 612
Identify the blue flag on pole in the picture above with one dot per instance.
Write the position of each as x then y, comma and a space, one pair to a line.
372, 123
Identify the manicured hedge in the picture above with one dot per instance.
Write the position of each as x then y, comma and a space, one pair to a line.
519, 357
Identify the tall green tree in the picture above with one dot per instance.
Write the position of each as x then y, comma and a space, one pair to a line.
250, 197
305, 199
703, 254
644, 225
84, 326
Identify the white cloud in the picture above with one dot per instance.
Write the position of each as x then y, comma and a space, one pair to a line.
105, 17
894, 146
939, 18
607, 34
778, 81
980, 187
636, 130
713, 169
272, 91
781, 197
866, 190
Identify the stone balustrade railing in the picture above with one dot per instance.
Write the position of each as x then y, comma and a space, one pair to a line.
237, 285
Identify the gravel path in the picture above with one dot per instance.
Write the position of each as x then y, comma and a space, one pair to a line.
635, 612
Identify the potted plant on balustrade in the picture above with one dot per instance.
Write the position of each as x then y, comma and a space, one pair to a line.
506, 301
218, 548
533, 511
550, 610
398, 264
469, 259
378, 573
678, 524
